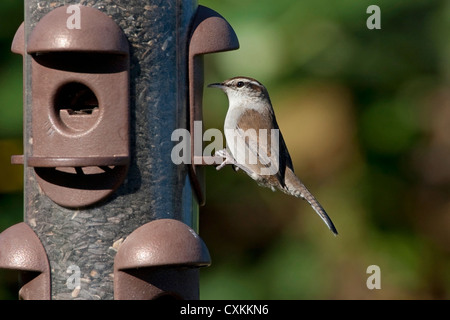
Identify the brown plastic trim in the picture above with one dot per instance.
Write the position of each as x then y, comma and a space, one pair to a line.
18, 43
155, 255
49, 162
21, 249
79, 106
210, 33
17, 159
97, 33
207, 160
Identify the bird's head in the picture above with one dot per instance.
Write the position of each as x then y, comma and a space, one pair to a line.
242, 88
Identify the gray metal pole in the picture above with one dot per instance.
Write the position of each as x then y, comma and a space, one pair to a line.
86, 240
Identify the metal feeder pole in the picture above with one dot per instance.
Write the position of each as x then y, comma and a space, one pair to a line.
87, 239
107, 213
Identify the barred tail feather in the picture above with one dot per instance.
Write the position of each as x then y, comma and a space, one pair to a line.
293, 186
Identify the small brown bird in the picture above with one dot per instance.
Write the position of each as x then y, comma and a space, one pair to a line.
255, 143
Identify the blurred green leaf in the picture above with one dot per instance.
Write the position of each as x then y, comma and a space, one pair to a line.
11, 110
390, 127
398, 81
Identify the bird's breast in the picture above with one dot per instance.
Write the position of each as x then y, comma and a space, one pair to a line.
230, 125
232, 118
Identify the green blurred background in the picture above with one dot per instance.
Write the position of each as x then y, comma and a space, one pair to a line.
366, 117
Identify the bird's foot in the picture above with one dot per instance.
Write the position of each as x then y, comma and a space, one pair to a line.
228, 159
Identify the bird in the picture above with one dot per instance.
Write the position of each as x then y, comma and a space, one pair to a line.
254, 142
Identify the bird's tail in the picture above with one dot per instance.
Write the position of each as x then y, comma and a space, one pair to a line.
295, 187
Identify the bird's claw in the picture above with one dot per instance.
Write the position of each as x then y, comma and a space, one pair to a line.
228, 159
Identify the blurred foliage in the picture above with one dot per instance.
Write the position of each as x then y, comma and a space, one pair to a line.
11, 177
366, 117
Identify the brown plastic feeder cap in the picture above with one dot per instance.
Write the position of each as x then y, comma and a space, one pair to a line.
99, 34
164, 242
159, 259
21, 249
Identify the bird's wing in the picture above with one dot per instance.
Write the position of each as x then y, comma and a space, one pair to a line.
260, 135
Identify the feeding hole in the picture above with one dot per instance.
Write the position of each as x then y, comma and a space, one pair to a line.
76, 107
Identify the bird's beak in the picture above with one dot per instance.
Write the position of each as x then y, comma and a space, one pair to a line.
216, 85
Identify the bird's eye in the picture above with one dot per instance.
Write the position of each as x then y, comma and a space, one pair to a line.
240, 84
